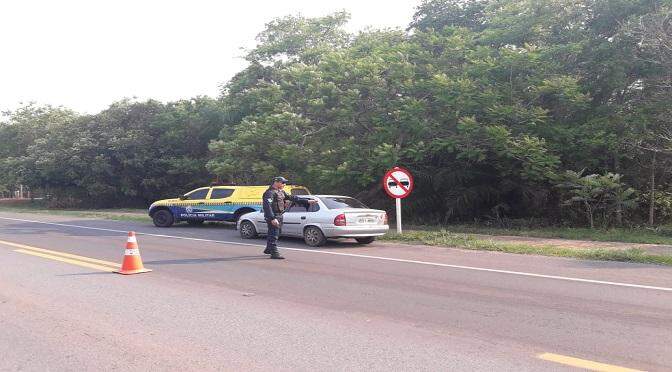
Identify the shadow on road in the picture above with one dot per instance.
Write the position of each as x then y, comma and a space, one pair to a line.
187, 261
331, 244
86, 274
218, 225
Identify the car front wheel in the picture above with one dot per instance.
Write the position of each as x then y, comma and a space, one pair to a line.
163, 218
313, 236
247, 230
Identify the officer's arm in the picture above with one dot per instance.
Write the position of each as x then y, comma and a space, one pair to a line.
269, 215
296, 199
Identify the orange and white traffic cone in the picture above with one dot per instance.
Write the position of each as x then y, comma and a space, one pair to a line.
132, 262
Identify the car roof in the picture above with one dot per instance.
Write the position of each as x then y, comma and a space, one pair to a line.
241, 186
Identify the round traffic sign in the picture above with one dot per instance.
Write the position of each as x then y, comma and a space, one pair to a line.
398, 183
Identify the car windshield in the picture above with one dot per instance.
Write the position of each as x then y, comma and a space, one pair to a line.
342, 202
196, 194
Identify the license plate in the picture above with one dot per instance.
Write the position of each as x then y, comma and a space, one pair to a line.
366, 221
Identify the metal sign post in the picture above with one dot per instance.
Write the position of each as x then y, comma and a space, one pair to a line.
398, 215
398, 184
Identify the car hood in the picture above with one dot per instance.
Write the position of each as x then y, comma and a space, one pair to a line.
164, 202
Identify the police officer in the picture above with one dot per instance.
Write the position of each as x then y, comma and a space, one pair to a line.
274, 207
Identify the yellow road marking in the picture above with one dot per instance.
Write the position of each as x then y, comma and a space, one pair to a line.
583, 363
68, 260
63, 257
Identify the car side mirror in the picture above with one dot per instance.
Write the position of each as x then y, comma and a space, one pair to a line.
183, 197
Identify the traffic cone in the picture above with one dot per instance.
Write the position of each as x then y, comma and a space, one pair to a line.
132, 262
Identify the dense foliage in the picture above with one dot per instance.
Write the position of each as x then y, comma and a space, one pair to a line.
128, 154
554, 110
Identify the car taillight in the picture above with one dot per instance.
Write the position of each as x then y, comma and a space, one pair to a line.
385, 219
340, 220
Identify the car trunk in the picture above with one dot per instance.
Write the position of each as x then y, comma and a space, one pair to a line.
363, 217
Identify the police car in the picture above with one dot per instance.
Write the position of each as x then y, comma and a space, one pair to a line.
215, 203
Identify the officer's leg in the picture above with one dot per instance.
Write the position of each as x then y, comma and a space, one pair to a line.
271, 239
274, 253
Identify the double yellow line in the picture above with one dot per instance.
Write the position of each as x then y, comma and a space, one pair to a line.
91, 263
584, 363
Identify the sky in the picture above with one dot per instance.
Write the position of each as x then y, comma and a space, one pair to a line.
84, 55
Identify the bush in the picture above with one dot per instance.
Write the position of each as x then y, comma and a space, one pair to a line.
603, 197
662, 204
66, 202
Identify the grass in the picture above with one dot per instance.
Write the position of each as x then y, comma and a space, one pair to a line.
466, 241
625, 235
117, 214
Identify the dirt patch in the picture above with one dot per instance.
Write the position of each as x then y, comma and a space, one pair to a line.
14, 202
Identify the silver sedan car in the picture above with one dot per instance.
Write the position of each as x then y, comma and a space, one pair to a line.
333, 216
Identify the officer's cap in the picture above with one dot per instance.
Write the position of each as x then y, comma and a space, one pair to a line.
280, 179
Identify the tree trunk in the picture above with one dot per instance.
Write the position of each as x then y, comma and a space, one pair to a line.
619, 215
589, 211
652, 194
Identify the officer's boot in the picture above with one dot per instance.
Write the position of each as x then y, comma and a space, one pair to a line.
268, 250
276, 255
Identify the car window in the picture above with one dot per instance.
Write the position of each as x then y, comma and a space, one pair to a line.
296, 208
314, 208
303, 209
221, 193
299, 191
342, 202
198, 194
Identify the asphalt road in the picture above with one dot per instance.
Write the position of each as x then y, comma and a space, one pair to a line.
214, 302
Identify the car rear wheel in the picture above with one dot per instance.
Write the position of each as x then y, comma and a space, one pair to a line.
313, 236
366, 240
163, 218
247, 230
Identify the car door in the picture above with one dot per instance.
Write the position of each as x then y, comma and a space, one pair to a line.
194, 205
291, 220
295, 219
219, 204
260, 223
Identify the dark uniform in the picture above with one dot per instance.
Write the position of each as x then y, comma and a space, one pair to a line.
275, 202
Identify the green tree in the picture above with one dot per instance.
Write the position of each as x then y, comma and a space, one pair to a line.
19, 130
128, 154
595, 194
297, 37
